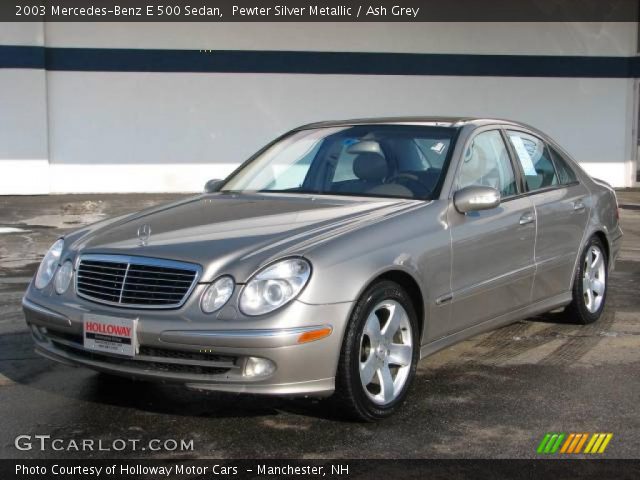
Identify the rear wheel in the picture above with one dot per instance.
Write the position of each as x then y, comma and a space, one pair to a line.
589, 285
379, 353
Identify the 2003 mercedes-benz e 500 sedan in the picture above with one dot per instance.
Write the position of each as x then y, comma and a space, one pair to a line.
334, 259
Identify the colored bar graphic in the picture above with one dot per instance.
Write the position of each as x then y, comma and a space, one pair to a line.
573, 443
594, 437
565, 447
551, 443
543, 443
598, 443
582, 441
607, 439
556, 446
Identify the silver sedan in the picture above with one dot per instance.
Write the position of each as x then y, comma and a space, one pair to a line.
333, 260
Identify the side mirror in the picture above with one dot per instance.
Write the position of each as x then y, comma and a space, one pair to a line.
213, 185
474, 198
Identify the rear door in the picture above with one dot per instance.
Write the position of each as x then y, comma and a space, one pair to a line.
560, 204
492, 266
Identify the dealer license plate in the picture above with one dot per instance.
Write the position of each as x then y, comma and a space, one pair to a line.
110, 334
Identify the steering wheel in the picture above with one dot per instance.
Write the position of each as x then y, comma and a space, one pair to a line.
411, 181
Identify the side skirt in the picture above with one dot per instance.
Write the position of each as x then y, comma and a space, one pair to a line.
528, 311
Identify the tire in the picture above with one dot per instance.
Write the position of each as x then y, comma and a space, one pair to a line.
592, 275
388, 357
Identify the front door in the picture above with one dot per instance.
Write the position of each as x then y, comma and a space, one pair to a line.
493, 265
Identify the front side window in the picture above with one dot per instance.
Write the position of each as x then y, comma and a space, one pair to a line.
535, 158
369, 160
486, 163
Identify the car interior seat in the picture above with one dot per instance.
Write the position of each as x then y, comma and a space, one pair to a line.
371, 169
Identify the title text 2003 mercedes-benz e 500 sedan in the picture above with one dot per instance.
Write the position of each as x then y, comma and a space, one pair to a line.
334, 259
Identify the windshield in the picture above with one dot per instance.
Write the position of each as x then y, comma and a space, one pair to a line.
367, 160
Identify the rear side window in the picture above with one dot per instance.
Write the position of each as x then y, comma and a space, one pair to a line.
566, 174
535, 158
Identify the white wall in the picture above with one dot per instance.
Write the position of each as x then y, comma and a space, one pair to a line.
527, 38
121, 132
24, 156
188, 128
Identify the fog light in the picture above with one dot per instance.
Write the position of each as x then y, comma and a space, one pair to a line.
40, 333
258, 367
63, 278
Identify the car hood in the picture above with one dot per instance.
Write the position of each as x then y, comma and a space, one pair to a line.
234, 233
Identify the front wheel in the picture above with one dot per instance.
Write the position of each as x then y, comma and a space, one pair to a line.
379, 353
589, 284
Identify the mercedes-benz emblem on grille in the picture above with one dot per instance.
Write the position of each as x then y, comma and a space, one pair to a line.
144, 232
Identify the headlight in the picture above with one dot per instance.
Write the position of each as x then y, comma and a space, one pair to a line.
63, 277
217, 294
274, 286
48, 265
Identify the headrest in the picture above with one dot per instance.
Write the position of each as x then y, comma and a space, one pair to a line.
370, 167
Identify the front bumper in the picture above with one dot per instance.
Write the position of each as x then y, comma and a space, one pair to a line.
201, 355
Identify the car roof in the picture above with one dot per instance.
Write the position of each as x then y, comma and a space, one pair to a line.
434, 121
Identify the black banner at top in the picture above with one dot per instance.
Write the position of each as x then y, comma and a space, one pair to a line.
320, 10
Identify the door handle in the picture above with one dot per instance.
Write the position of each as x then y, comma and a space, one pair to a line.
526, 218
578, 205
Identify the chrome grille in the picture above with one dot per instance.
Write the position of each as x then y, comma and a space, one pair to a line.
135, 282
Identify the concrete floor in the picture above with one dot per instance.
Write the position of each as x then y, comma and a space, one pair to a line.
492, 396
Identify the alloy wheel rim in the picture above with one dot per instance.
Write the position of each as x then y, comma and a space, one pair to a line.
386, 352
593, 279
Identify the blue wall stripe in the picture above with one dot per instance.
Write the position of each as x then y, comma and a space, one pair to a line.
297, 62
21, 57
